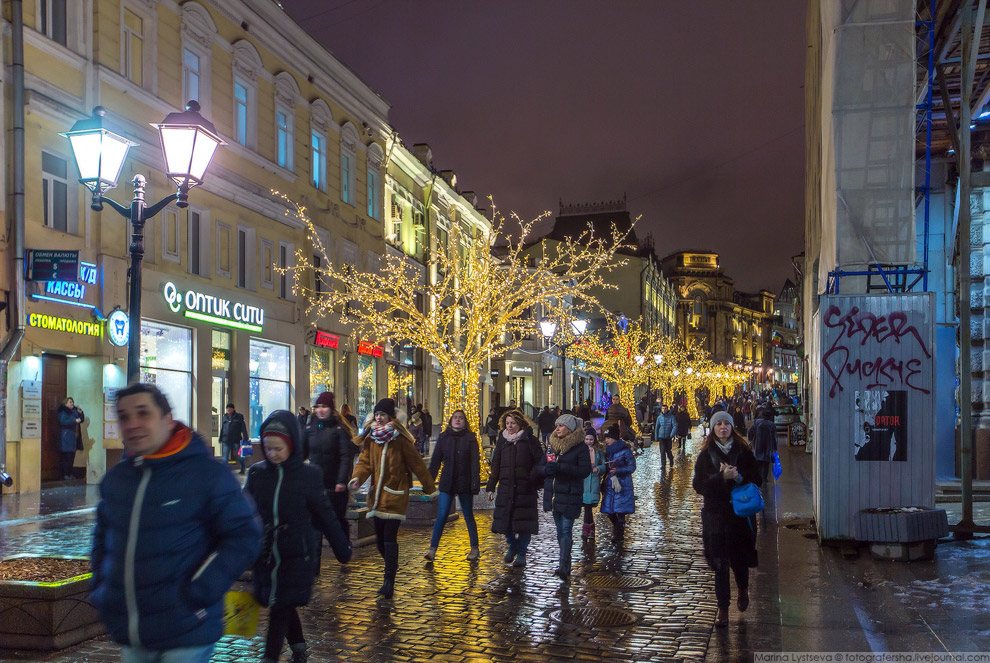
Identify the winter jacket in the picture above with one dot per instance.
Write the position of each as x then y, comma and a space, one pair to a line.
295, 510
491, 426
592, 485
563, 483
173, 532
546, 421
67, 428
683, 420
618, 412
763, 436
666, 425
326, 443
233, 429
620, 458
391, 466
515, 472
724, 534
738, 420
458, 452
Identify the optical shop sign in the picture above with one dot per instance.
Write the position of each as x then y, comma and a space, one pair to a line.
210, 308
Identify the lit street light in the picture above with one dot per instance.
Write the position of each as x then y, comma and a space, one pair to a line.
548, 328
188, 143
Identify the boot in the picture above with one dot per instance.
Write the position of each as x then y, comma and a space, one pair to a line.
618, 532
391, 567
473, 555
430, 554
586, 531
299, 653
722, 618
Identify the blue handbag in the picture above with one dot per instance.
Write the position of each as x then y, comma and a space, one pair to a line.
747, 500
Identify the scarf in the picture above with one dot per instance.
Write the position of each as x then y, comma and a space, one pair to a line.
383, 434
512, 438
724, 447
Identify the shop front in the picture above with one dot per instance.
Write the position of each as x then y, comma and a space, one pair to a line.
369, 355
402, 372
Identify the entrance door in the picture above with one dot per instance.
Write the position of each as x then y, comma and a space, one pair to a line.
218, 408
53, 388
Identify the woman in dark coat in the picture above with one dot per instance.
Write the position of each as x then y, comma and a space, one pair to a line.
618, 500
515, 472
460, 477
288, 494
683, 427
69, 437
565, 467
724, 462
327, 444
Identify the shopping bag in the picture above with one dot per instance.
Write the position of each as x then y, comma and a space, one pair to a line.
240, 614
777, 469
246, 449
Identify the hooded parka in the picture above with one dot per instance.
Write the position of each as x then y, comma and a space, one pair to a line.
621, 459
563, 489
516, 473
68, 429
290, 499
391, 466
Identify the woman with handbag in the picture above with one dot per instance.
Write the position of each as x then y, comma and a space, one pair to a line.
724, 463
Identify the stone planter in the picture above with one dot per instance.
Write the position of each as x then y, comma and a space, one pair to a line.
47, 615
902, 534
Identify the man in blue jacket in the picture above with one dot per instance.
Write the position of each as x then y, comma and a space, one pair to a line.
173, 532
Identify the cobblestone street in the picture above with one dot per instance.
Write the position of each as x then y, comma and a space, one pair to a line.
453, 610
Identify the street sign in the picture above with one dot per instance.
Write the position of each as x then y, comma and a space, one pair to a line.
547, 371
50, 265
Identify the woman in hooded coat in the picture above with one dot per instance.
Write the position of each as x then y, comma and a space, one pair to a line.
619, 499
515, 472
288, 494
565, 467
389, 457
69, 438
457, 453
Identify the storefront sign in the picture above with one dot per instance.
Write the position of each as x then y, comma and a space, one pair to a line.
210, 308
47, 265
31, 389
495, 372
367, 348
522, 369
65, 324
326, 340
118, 328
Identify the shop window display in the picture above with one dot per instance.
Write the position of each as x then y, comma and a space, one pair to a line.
166, 362
366, 387
269, 386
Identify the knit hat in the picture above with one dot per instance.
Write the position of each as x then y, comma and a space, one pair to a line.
386, 405
326, 399
274, 426
570, 421
721, 415
612, 433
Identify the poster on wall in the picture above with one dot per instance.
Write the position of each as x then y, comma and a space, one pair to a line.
111, 431
30, 429
881, 424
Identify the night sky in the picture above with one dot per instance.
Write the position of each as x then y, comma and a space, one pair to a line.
693, 109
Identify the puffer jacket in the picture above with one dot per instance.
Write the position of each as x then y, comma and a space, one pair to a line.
592, 485
391, 467
619, 457
458, 454
173, 532
563, 485
666, 425
515, 472
327, 444
683, 423
290, 499
67, 427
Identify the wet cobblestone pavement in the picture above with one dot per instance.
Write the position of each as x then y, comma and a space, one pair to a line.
455, 610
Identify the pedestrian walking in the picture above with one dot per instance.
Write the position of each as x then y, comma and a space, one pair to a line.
416, 429
427, 429
619, 500
724, 462
69, 436
389, 457
617, 413
565, 466
303, 417
491, 426
173, 532
547, 422
592, 484
326, 443
763, 438
515, 473
345, 412
457, 459
739, 419
233, 433
664, 431
683, 429
289, 495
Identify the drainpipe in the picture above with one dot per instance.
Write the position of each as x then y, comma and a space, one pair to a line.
17, 199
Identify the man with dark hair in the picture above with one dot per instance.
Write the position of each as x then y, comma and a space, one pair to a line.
173, 532
233, 432
546, 422
763, 438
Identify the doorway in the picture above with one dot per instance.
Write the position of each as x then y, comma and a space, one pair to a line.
53, 393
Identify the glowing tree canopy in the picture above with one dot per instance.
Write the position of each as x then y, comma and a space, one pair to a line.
479, 299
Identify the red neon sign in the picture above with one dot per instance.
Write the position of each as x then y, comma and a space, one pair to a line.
368, 348
326, 340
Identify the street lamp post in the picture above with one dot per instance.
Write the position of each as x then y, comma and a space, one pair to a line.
548, 328
188, 143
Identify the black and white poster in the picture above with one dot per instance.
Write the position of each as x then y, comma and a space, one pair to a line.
881, 425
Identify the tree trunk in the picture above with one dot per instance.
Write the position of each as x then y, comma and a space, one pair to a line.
462, 392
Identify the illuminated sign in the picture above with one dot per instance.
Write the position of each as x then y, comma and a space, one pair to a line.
368, 348
547, 371
71, 292
50, 265
118, 328
495, 372
65, 324
522, 369
326, 340
210, 308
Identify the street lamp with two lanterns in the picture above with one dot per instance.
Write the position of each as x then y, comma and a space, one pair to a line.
189, 143
548, 328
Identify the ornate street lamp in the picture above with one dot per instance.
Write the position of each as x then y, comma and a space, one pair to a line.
188, 143
548, 328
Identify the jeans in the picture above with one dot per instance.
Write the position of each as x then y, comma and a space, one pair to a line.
231, 452
546, 438
518, 543
565, 539
722, 590
181, 655
444, 503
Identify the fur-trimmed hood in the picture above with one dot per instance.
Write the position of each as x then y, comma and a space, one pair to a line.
562, 445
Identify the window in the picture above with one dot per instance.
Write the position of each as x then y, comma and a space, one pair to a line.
317, 275
367, 382
318, 142
54, 20
347, 178
132, 47
170, 234
55, 193
223, 249
190, 75
284, 278
245, 257
241, 112
271, 366
166, 362
198, 225
283, 133
267, 264
374, 194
